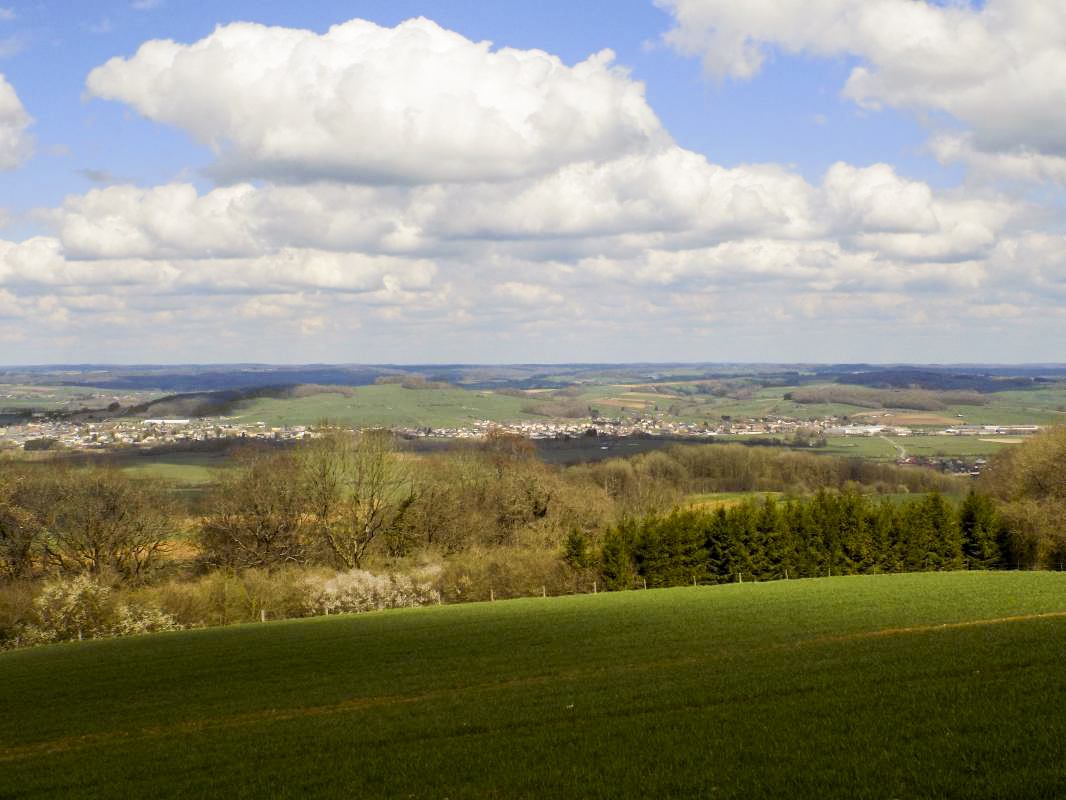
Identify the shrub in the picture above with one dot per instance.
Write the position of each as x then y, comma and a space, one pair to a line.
82, 608
358, 590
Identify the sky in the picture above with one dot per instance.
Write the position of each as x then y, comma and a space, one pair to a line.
185, 181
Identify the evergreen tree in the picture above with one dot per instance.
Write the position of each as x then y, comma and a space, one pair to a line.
616, 564
982, 532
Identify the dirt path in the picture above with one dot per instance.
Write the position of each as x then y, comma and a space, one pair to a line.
899, 448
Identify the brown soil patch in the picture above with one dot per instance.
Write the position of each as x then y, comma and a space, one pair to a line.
618, 402
907, 418
649, 395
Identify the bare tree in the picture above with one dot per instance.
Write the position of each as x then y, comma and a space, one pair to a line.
259, 514
358, 490
106, 521
20, 528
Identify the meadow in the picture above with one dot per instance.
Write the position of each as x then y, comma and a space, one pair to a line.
924, 685
887, 448
387, 405
181, 468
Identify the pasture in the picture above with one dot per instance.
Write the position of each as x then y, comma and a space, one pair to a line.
924, 685
184, 469
887, 448
388, 405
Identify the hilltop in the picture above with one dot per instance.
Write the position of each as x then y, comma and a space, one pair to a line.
891, 686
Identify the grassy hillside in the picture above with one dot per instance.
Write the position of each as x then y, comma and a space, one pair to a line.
901, 686
386, 405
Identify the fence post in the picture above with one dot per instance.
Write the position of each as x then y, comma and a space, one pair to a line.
740, 577
693, 580
492, 594
543, 590
595, 588
645, 583
262, 615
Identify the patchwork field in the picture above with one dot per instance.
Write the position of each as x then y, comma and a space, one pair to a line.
931, 685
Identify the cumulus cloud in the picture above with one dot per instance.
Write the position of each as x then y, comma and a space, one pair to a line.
415, 103
671, 199
420, 187
998, 67
15, 144
42, 261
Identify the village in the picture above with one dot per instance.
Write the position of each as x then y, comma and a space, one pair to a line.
153, 433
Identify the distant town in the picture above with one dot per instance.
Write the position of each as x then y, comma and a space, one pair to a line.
150, 433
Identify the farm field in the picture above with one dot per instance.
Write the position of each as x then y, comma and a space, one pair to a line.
386, 405
64, 398
885, 448
925, 685
186, 469
1038, 406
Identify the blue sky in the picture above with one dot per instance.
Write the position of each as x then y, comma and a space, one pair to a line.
769, 181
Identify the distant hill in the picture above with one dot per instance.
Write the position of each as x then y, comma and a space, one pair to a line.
905, 378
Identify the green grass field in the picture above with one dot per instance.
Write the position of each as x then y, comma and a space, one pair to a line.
932, 685
387, 405
184, 469
883, 449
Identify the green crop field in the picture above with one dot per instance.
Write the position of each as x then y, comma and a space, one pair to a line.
184, 469
956, 446
931, 685
386, 405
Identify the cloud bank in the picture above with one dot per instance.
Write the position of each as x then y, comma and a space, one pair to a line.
408, 194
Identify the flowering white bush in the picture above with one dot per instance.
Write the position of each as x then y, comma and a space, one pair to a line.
82, 608
359, 590
78, 608
132, 620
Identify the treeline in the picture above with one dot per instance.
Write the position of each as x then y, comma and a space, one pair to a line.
351, 522
832, 533
413, 382
915, 399
906, 377
344, 501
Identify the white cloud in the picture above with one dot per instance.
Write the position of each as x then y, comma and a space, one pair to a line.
999, 68
558, 220
671, 199
15, 144
1018, 164
671, 191
884, 213
527, 293
414, 103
